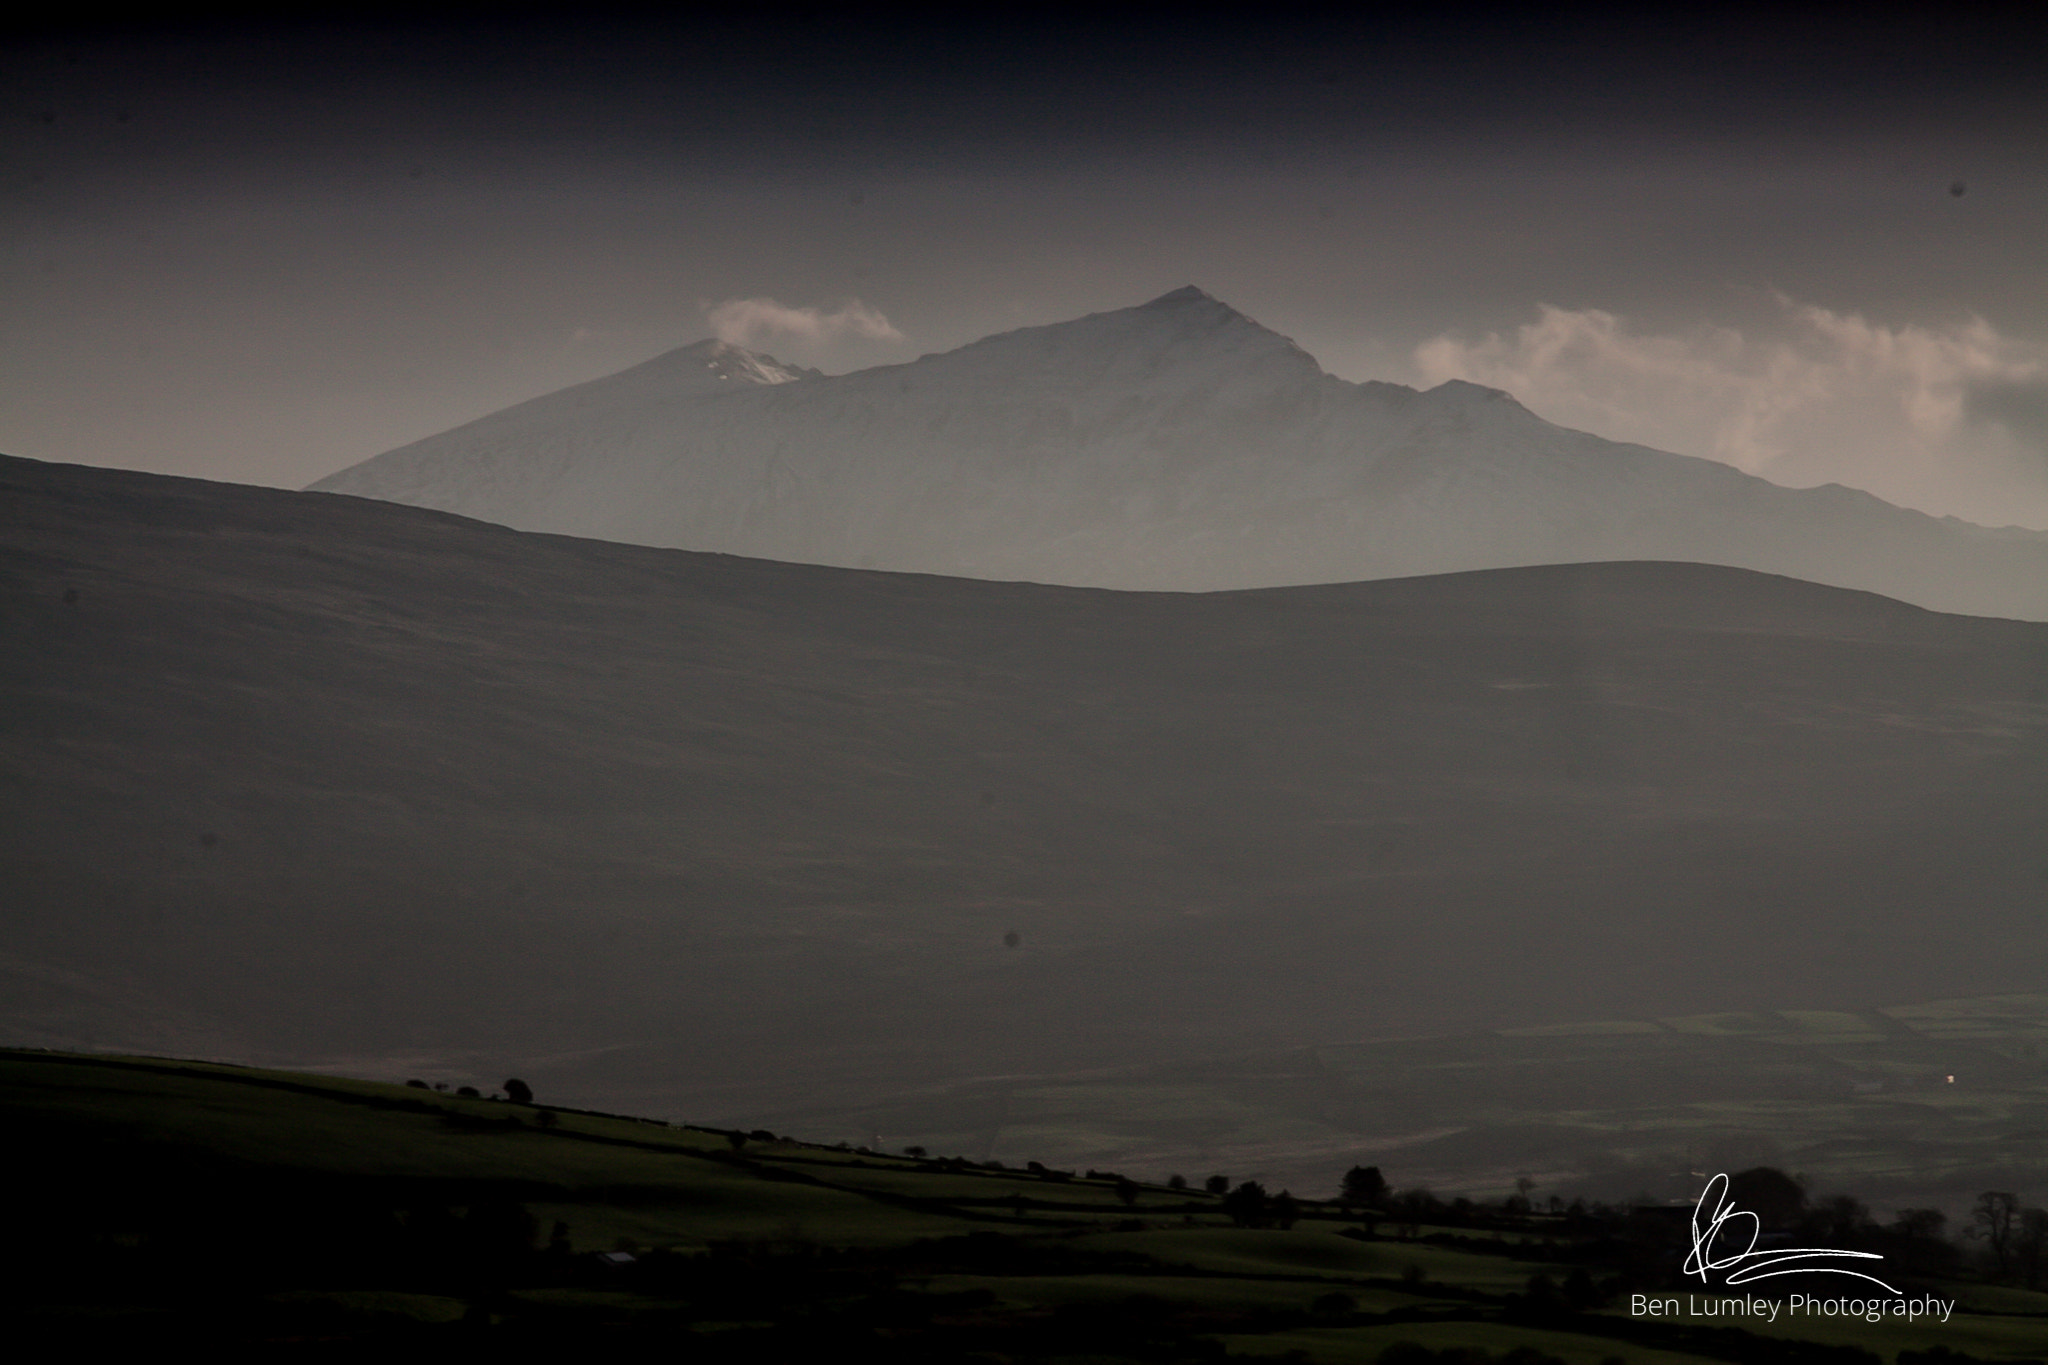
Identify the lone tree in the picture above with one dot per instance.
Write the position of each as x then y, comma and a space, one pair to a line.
1246, 1205
1283, 1210
1217, 1184
518, 1091
1919, 1234
2030, 1245
1996, 1217
1364, 1185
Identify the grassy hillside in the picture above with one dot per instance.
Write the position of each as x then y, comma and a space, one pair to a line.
169, 1202
306, 780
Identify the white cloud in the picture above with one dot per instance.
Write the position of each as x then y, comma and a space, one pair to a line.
1830, 397
755, 322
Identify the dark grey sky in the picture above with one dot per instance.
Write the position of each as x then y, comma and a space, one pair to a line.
261, 253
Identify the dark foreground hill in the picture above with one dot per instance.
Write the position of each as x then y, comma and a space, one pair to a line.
311, 779
183, 1203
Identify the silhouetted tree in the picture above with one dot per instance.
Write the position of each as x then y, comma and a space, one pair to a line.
1994, 1219
1412, 1209
1919, 1233
1540, 1296
1774, 1197
1283, 1211
2030, 1245
1127, 1190
1364, 1185
518, 1091
1176, 1182
1840, 1220
1217, 1184
469, 1092
1246, 1205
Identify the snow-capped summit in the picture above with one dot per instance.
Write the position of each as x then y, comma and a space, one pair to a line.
701, 367
723, 361
1177, 444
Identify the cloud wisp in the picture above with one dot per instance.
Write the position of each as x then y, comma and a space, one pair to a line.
1934, 417
759, 321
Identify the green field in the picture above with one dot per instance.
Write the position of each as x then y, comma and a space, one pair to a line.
165, 1201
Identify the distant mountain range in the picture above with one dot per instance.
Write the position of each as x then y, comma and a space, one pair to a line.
1178, 445
324, 781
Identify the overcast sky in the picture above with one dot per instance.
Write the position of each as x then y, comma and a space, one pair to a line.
1811, 247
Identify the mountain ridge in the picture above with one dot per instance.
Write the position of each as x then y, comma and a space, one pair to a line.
1175, 445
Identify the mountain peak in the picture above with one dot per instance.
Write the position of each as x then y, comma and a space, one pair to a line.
1187, 293
1478, 401
1172, 445
1183, 340
724, 361
1468, 391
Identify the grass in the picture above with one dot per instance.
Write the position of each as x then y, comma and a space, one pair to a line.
1854, 1100
186, 1201
1334, 1346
